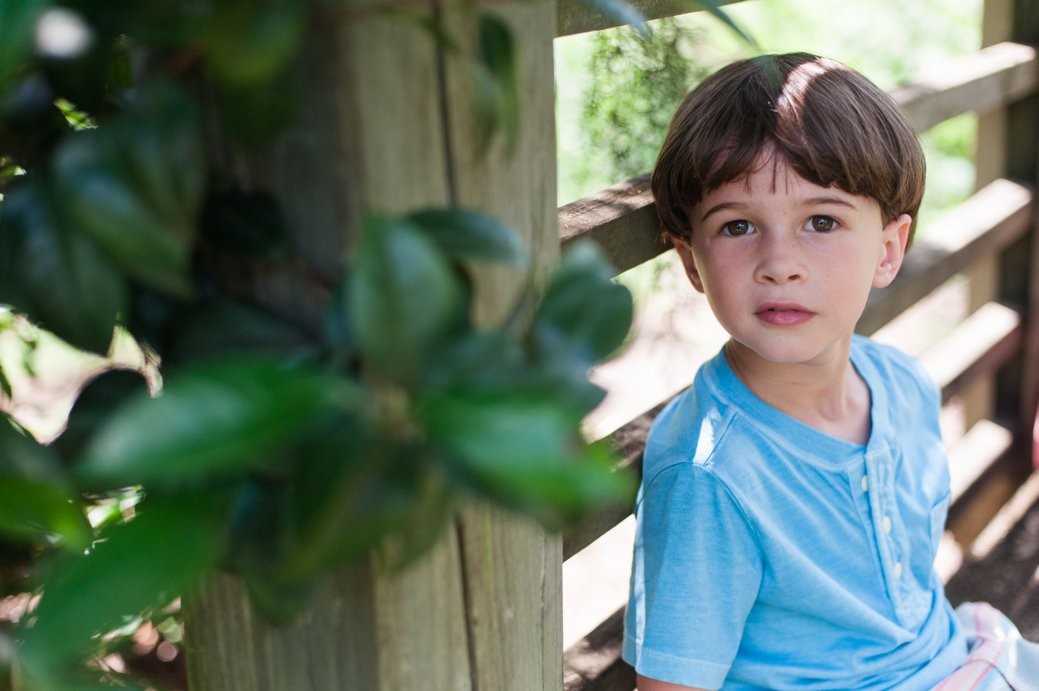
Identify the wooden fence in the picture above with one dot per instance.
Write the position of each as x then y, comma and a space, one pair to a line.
987, 365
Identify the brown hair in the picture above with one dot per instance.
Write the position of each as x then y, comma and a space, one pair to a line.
829, 123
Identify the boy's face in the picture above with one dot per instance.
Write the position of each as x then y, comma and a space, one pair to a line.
787, 265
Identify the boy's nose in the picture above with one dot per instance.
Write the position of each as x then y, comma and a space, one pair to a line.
779, 261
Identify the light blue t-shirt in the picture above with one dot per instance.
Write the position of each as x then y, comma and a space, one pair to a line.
770, 555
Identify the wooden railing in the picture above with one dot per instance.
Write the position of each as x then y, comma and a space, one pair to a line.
988, 364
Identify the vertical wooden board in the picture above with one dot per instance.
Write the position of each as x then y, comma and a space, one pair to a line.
230, 648
421, 626
513, 579
513, 569
518, 187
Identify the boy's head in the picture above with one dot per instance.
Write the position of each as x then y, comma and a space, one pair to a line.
829, 123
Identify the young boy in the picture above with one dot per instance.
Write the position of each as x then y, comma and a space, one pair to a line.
793, 498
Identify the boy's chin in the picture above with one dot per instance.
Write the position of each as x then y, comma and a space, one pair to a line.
796, 352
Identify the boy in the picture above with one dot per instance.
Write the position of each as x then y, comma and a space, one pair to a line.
793, 498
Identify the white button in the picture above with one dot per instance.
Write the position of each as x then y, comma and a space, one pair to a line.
898, 570
865, 484
886, 525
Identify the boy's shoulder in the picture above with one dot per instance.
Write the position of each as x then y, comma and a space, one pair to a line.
692, 426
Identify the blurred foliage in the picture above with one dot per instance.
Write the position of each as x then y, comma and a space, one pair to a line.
276, 450
636, 84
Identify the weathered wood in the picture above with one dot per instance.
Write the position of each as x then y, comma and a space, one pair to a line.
621, 219
988, 222
974, 454
578, 16
512, 568
978, 346
979, 82
594, 663
1001, 570
628, 443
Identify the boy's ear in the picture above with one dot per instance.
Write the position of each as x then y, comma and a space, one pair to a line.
685, 252
895, 237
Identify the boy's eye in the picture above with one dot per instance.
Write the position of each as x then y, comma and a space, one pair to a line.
736, 228
821, 224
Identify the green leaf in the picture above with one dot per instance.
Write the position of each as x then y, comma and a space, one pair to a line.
261, 537
583, 311
57, 277
17, 28
714, 8
463, 234
35, 498
623, 13
404, 298
521, 448
223, 326
246, 222
357, 491
495, 82
33, 510
336, 329
135, 186
139, 565
254, 112
431, 23
248, 42
216, 419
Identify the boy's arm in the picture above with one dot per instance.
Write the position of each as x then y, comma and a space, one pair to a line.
647, 684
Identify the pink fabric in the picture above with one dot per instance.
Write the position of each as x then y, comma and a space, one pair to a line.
1035, 441
999, 658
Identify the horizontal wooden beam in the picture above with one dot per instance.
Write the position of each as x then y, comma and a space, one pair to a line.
620, 219
988, 222
979, 345
628, 443
579, 16
594, 663
975, 83
975, 452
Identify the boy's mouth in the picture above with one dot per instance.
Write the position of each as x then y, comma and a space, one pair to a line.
783, 314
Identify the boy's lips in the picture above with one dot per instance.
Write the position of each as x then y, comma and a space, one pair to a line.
783, 314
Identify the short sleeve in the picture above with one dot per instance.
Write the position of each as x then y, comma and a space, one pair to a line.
696, 573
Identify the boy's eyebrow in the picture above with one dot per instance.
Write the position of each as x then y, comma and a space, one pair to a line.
810, 201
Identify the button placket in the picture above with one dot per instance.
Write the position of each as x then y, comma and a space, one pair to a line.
883, 514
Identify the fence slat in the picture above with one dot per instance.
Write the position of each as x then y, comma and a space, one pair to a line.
979, 345
987, 79
594, 663
993, 218
578, 16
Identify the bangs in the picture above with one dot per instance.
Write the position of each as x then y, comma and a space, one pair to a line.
829, 123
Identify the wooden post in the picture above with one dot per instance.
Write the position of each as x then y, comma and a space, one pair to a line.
989, 164
513, 568
1018, 265
386, 125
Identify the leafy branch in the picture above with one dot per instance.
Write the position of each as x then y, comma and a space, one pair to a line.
276, 450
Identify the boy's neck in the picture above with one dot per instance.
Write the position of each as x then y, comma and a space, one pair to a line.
829, 396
